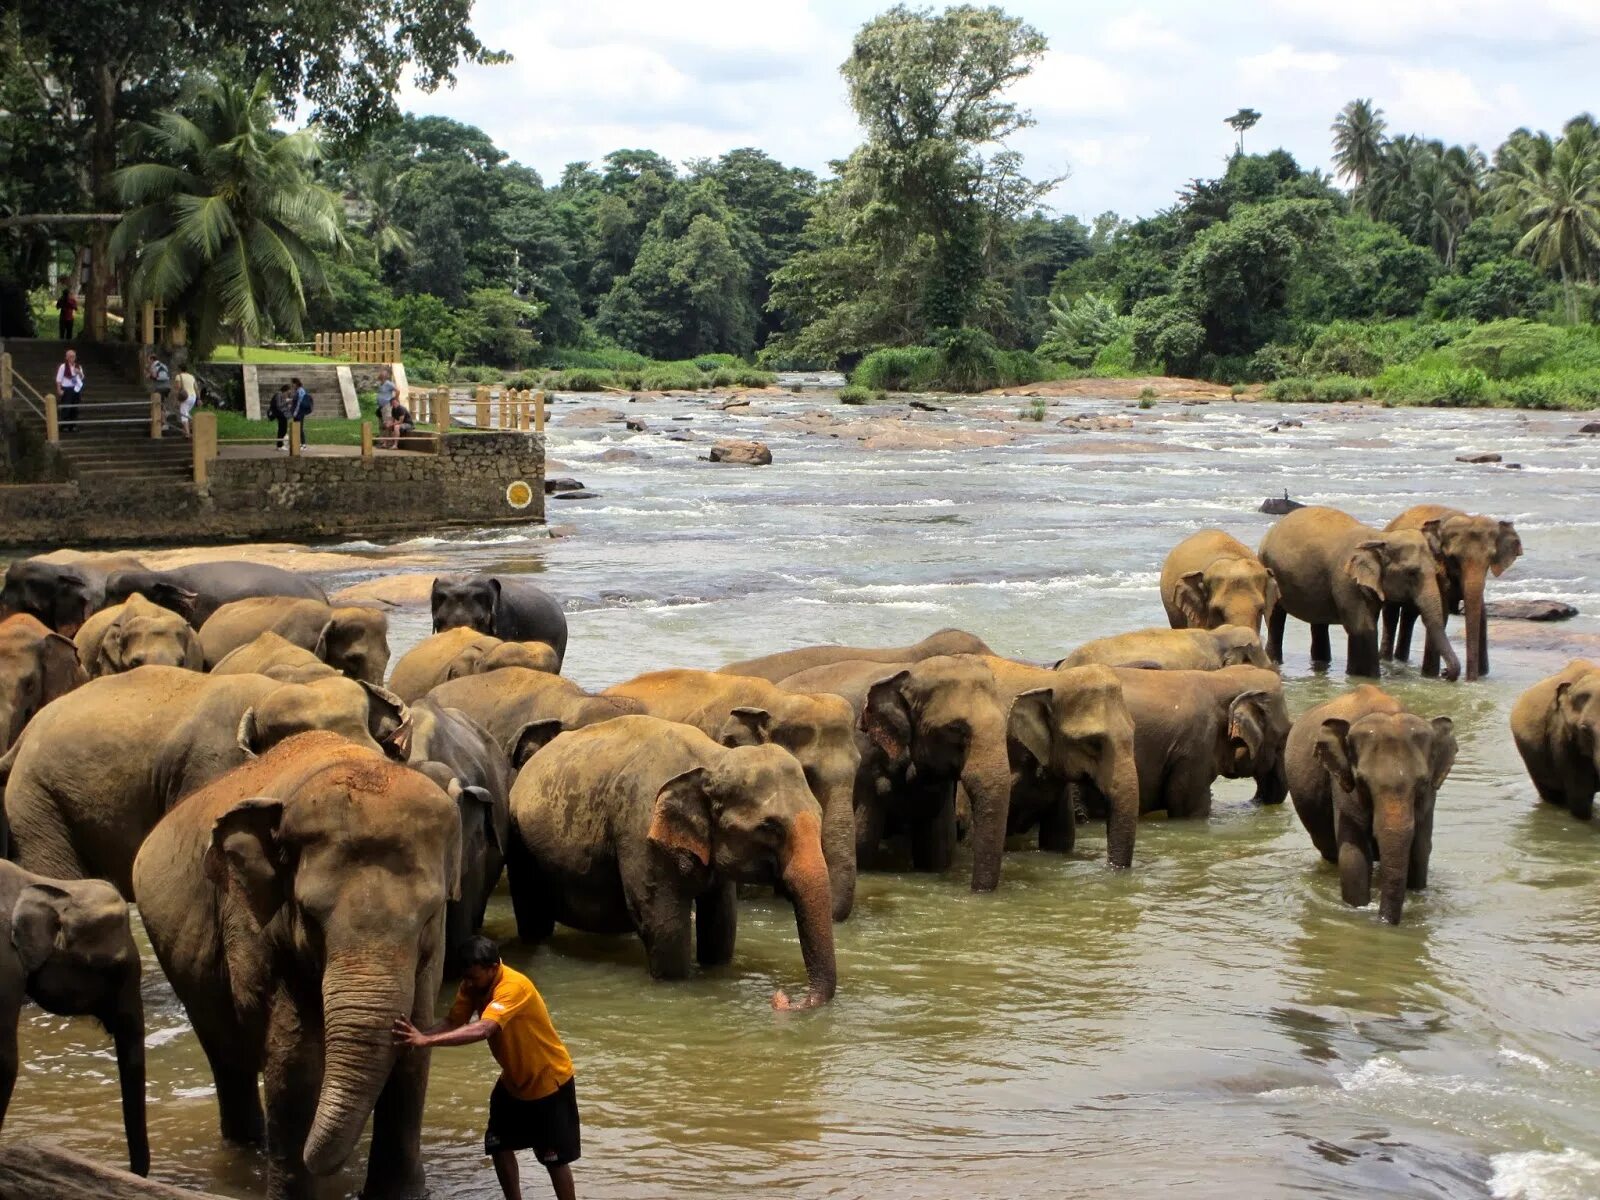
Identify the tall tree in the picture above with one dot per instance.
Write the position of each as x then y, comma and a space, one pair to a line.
226, 224
1551, 187
1241, 121
1358, 137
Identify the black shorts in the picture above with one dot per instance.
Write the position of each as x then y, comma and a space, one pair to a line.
548, 1126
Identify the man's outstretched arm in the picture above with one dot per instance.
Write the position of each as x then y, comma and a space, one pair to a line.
407, 1034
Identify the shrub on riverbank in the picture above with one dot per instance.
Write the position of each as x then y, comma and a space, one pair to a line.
963, 360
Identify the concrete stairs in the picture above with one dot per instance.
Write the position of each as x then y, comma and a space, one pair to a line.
112, 443
332, 388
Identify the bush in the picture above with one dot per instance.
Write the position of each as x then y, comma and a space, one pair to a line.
750, 377
1273, 361
1542, 391
600, 358
1442, 387
676, 377
1115, 359
1079, 331
1034, 410
1338, 389
1292, 390
526, 381
1168, 332
1343, 348
1508, 349
581, 379
897, 368
854, 394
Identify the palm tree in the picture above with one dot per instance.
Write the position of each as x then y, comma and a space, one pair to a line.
226, 225
1242, 120
377, 186
1552, 187
1358, 143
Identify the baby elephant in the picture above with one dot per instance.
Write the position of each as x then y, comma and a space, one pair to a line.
1364, 773
460, 652
632, 824
1556, 725
1211, 578
1173, 649
352, 640
137, 633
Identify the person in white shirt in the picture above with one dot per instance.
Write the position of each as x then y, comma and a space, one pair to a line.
69, 390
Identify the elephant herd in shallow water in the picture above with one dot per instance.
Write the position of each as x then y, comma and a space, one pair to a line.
311, 836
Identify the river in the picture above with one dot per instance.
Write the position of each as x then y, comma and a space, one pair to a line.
1212, 1023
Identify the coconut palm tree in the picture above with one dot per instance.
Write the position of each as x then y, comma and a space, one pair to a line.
226, 224
1358, 141
377, 187
1552, 188
1242, 120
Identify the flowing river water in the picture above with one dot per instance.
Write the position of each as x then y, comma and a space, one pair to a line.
1212, 1023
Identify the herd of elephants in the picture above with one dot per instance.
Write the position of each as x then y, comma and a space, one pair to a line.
311, 837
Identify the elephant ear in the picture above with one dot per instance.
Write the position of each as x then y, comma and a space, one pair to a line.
886, 716
1507, 549
1333, 752
194, 655
680, 823
1433, 534
247, 733
1443, 756
1190, 598
530, 739
468, 662
474, 796
36, 924
60, 670
1031, 723
1365, 566
243, 859
170, 596
1271, 594
1247, 721
321, 647
108, 654
746, 726
388, 720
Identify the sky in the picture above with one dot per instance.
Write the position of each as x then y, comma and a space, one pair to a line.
1129, 100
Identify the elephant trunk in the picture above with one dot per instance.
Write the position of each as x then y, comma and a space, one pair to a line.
1120, 784
1473, 578
1394, 864
805, 880
127, 1031
1430, 606
987, 778
360, 1000
1272, 783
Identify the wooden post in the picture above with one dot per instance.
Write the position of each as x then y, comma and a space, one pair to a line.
155, 414
441, 408
147, 323
5, 379
316, 344
399, 342
52, 423
366, 439
538, 412
481, 396
294, 439
522, 410
203, 431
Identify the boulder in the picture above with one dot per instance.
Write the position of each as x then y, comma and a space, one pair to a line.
1590, 427
635, 424
618, 454
1276, 507
748, 454
924, 406
592, 416
1095, 423
1530, 610
580, 494
561, 484
1478, 458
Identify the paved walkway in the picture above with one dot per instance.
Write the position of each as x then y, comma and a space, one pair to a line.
312, 450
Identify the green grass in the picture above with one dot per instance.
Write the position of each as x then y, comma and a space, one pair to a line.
338, 431
259, 354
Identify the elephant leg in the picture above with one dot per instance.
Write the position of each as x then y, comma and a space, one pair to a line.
293, 1081
1355, 864
1361, 652
871, 820
394, 1162
1391, 617
41, 840
233, 1068
1058, 823
1188, 788
1321, 647
1421, 852
839, 852
716, 921
1408, 624
1275, 626
933, 831
10, 1013
1482, 634
531, 902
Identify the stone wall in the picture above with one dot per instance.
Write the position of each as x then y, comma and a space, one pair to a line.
283, 498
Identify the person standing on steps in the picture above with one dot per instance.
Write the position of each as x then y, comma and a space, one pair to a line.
302, 406
67, 307
534, 1105
69, 390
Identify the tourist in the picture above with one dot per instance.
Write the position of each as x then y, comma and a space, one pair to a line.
186, 403
279, 410
534, 1105
69, 390
67, 306
387, 393
400, 424
160, 378
302, 406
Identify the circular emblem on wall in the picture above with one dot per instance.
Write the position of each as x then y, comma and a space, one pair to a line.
519, 494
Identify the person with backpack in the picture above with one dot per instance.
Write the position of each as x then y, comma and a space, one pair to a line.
303, 405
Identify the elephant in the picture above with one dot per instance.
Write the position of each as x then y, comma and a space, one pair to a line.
137, 633
68, 946
819, 730
60, 595
441, 737
512, 610
353, 640
506, 702
463, 651
630, 824
1364, 774
1556, 725
275, 657
1191, 727
297, 904
777, 667
1333, 570
1211, 578
1173, 649
37, 665
1468, 548
94, 772
199, 589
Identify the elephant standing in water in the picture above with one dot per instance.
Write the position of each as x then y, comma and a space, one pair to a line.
297, 904
353, 640
510, 609
1211, 578
777, 667
632, 824
1333, 570
137, 633
199, 589
37, 666
463, 651
1556, 725
819, 730
94, 772
1469, 548
67, 945
513, 701
1364, 774
1174, 649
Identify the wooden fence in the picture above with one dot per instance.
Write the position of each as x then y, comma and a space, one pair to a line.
506, 409
359, 345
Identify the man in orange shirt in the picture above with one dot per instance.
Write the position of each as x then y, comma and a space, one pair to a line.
534, 1105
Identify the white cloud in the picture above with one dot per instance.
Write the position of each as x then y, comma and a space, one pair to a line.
1285, 59
1139, 31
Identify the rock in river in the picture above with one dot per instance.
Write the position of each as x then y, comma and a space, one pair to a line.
562, 484
1478, 458
1530, 610
748, 454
